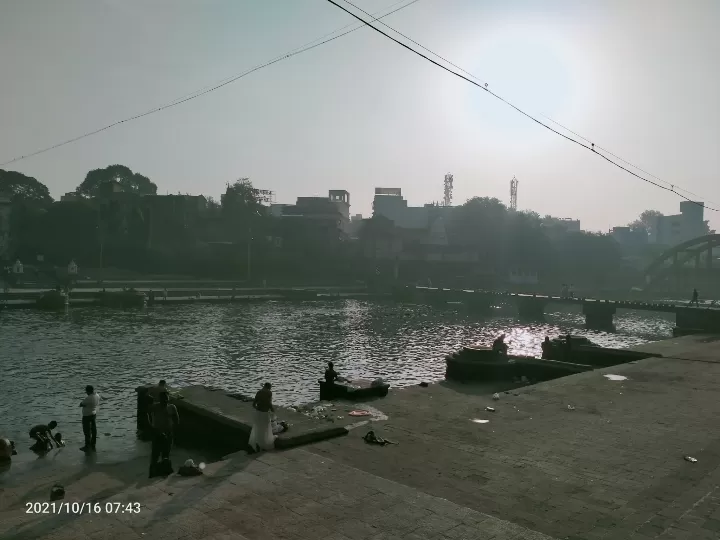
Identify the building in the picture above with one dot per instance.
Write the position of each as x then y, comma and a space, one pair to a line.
627, 237
172, 219
389, 203
317, 221
70, 196
5, 210
558, 228
356, 223
341, 199
327, 217
569, 224
277, 209
676, 229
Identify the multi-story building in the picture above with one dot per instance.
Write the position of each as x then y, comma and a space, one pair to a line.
326, 217
389, 203
679, 228
627, 237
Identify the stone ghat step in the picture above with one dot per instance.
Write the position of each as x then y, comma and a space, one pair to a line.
211, 417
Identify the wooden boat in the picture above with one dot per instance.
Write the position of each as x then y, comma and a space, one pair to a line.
52, 300
584, 351
476, 363
123, 299
575, 341
352, 390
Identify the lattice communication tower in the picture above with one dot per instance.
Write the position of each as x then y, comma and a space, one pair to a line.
513, 193
447, 199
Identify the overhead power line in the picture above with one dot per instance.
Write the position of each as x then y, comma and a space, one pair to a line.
592, 147
188, 97
597, 147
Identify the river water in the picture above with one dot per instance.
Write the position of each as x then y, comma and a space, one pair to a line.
47, 358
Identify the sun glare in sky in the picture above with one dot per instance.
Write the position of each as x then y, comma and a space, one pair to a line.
530, 67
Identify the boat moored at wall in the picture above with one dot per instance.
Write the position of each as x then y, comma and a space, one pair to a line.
484, 364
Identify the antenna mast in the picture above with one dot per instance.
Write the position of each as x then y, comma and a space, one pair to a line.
513, 193
447, 199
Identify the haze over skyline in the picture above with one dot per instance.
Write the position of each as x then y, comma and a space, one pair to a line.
636, 77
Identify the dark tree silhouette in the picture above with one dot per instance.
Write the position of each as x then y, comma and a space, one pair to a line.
25, 189
243, 209
646, 221
100, 181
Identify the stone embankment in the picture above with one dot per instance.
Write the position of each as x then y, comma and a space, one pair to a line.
604, 454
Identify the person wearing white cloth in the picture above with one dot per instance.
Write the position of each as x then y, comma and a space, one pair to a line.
89, 410
261, 435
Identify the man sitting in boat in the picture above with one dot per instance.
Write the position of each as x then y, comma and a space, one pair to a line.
546, 347
499, 346
331, 375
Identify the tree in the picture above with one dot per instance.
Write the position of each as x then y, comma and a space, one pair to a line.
588, 258
647, 221
100, 181
24, 189
478, 223
243, 209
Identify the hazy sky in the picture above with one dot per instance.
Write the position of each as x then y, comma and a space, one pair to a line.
638, 77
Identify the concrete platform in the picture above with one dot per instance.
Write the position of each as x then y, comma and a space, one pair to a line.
582, 457
211, 415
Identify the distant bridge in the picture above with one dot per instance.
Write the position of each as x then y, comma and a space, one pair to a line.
683, 267
598, 313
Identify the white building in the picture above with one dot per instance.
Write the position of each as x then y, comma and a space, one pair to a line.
389, 203
679, 228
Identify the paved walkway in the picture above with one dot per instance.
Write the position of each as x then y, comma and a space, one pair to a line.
611, 465
294, 494
579, 457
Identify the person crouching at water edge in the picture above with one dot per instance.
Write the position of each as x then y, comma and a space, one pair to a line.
44, 438
261, 436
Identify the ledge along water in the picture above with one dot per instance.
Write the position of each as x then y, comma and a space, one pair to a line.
481, 363
117, 298
213, 418
599, 314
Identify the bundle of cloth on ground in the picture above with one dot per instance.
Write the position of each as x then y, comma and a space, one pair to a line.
371, 438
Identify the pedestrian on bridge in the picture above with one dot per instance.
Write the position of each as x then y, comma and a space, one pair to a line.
695, 298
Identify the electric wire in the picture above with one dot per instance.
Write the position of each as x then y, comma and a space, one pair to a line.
207, 90
484, 87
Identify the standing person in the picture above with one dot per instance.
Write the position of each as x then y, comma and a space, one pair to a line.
89, 411
164, 419
261, 436
546, 348
695, 298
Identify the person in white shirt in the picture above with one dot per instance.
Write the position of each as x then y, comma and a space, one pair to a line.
89, 411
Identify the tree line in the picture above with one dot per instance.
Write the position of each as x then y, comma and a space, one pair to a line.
238, 237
